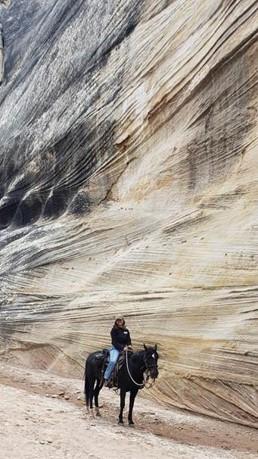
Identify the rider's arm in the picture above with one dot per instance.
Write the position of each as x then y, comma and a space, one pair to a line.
129, 342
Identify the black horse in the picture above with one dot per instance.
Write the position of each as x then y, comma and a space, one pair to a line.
137, 367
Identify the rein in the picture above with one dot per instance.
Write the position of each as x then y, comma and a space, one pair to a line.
130, 376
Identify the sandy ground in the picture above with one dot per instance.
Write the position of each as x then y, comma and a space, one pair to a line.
43, 416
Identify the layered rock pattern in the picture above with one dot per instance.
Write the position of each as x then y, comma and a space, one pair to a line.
129, 185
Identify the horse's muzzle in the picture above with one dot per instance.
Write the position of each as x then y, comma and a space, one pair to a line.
154, 372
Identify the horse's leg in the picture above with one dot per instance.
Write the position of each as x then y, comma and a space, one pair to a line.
96, 396
90, 398
133, 394
122, 405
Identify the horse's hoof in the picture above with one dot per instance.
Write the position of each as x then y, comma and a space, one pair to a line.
131, 423
120, 422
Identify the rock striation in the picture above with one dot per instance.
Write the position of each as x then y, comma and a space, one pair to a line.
129, 184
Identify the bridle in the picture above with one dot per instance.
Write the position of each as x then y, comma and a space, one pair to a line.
147, 372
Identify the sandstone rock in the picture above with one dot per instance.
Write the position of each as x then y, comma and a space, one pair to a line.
129, 185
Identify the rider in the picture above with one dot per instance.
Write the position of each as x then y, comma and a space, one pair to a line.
121, 339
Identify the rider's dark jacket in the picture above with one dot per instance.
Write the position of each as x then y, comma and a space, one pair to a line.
120, 337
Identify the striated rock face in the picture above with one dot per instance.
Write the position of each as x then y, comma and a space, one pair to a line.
129, 185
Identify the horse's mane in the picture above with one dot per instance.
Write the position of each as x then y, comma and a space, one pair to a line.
136, 356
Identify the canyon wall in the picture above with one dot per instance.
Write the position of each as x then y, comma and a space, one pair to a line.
129, 185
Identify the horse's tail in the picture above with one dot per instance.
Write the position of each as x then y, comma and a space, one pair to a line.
86, 385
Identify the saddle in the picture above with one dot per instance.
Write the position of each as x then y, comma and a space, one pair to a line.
120, 363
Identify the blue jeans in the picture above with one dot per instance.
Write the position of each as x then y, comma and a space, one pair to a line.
113, 356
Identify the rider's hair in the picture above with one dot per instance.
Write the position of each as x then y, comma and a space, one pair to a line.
118, 319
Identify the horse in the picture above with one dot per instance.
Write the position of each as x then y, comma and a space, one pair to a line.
135, 370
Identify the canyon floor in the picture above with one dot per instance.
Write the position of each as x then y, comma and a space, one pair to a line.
43, 416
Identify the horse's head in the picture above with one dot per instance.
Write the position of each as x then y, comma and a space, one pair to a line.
151, 360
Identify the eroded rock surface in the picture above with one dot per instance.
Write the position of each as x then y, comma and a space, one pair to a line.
129, 185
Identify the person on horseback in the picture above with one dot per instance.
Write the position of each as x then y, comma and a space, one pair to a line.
120, 337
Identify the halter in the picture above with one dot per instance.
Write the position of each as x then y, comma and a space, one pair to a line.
144, 384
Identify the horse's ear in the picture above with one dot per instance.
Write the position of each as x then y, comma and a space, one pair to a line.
145, 347
156, 347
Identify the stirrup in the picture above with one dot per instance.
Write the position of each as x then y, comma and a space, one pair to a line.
108, 383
